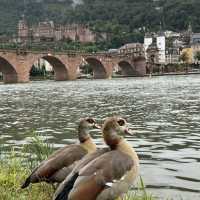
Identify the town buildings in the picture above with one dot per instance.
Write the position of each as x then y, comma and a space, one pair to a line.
162, 48
133, 48
165, 48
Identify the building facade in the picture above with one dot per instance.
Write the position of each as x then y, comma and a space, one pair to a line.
148, 40
156, 41
161, 45
44, 31
48, 31
195, 38
132, 48
23, 30
172, 55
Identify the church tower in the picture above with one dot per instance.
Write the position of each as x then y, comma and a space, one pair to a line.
23, 31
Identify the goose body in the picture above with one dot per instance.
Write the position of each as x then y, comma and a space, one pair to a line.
61, 163
107, 176
61, 190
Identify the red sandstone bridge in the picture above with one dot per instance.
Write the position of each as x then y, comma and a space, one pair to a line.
16, 64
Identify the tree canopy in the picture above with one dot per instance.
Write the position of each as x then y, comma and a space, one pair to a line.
124, 20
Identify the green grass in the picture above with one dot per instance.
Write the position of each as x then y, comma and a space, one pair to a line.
12, 175
15, 169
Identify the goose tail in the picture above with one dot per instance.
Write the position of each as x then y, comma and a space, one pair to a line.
65, 189
26, 183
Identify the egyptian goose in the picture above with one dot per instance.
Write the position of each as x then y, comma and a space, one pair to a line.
61, 163
108, 176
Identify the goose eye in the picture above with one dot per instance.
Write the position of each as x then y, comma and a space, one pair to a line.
90, 120
121, 122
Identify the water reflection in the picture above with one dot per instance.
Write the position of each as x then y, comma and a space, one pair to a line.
164, 111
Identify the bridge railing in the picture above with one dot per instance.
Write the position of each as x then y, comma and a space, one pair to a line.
23, 51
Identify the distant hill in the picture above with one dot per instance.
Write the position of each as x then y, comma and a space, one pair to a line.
123, 19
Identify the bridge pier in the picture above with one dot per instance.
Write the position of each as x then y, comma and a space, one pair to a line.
140, 66
10, 78
109, 65
98, 74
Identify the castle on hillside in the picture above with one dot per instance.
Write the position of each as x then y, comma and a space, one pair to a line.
48, 31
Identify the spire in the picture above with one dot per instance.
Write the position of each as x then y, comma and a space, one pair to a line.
24, 11
190, 27
23, 17
160, 28
161, 32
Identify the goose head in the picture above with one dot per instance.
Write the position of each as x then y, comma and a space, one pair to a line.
114, 129
84, 128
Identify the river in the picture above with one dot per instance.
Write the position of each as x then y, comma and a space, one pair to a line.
163, 111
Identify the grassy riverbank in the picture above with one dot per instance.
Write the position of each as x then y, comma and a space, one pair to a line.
14, 170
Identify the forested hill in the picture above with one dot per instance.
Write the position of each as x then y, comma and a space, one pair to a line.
115, 16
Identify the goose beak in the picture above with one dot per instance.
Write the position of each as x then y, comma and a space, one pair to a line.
96, 126
129, 132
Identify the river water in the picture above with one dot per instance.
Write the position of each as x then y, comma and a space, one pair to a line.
164, 111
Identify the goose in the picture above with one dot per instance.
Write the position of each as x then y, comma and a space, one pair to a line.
108, 175
61, 163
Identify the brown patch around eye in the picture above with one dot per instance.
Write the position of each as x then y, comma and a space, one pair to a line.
90, 120
121, 122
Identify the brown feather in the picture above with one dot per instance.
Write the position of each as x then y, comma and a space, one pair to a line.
113, 165
57, 166
87, 191
62, 158
88, 158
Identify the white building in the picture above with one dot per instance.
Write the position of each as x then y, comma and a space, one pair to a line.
148, 40
160, 44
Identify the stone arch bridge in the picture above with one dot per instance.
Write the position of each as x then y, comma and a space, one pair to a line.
16, 64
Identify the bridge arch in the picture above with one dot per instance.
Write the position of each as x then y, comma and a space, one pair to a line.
126, 68
59, 68
9, 72
99, 71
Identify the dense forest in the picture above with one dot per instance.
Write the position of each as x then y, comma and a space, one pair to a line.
124, 20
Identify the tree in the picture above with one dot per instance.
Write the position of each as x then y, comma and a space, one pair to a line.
185, 58
122, 20
86, 69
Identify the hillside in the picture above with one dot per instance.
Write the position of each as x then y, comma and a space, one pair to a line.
123, 19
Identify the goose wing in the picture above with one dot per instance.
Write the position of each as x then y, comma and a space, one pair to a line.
64, 157
98, 174
65, 186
